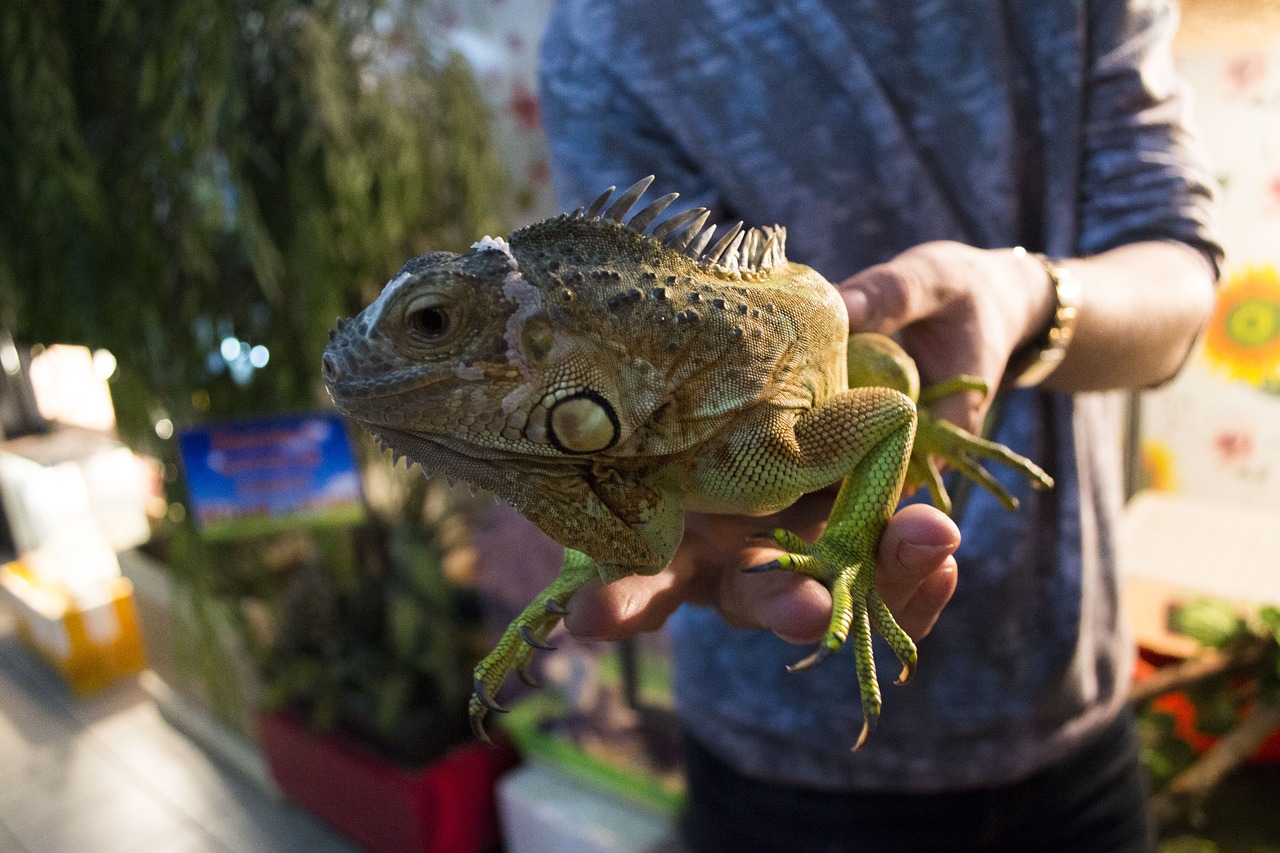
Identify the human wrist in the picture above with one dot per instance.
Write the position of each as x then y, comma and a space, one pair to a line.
1053, 313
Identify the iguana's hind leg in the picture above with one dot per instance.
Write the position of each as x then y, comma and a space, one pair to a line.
878, 361
844, 556
526, 634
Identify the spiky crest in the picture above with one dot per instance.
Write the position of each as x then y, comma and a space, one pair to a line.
755, 250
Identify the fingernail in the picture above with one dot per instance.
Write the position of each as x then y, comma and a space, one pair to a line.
923, 557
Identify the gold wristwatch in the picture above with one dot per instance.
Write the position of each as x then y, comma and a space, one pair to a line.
1032, 364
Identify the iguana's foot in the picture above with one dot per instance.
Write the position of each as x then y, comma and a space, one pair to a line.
526, 635
843, 560
937, 439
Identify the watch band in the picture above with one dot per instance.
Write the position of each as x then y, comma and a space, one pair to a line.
1033, 364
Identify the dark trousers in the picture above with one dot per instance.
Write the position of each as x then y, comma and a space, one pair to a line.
1092, 801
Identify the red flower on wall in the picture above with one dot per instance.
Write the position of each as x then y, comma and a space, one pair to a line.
524, 106
1246, 73
1234, 446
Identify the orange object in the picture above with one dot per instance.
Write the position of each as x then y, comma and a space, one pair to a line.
90, 645
1186, 725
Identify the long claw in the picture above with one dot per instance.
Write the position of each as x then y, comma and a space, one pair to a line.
528, 679
764, 536
812, 660
555, 607
482, 695
764, 567
974, 471
868, 726
477, 729
528, 636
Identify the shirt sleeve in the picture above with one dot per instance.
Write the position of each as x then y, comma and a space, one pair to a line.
600, 132
1144, 175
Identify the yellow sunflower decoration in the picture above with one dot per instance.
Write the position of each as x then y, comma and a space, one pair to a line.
1243, 337
1158, 468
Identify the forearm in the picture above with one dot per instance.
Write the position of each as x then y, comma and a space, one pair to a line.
1142, 306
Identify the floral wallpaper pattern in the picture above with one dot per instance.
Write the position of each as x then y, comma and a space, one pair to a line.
500, 38
1215, 431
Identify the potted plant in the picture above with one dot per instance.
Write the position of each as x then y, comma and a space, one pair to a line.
367, 677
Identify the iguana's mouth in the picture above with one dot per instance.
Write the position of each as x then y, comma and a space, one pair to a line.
342, 387
401, 443
414, 378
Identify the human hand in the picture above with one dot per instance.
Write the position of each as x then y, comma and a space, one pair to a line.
956, 310
916, 576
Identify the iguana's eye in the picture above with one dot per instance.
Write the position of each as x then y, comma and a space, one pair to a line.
429, 322
429, 318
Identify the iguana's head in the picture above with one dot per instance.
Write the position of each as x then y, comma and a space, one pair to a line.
429, 357
560, 344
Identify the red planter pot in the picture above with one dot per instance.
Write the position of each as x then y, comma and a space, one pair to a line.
445, 807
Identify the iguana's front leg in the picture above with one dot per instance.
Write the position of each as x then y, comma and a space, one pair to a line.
526, 634
844, 556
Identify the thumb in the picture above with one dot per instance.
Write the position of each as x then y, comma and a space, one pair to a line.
885, 297
917, 568
624, 608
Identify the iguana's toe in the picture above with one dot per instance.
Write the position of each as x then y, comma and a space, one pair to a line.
526, 635
965, 452
484, 698
479, 707
534, 641
823, 652
843, 560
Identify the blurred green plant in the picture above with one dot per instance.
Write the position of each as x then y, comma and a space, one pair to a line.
177, 176
382, 652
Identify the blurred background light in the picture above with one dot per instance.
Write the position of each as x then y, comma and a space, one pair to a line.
104, 363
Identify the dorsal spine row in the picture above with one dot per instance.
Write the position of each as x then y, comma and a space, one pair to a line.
751, 250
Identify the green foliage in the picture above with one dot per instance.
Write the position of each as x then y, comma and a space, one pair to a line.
1210, 622
1269, 621
379, 653
177, 172
174, 174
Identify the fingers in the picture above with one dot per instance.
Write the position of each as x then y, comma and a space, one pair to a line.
917, 568
957, 310
625, 607
885, 297
707, 571
916, 578
795, 608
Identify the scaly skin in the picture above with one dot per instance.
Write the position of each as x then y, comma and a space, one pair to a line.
603, 377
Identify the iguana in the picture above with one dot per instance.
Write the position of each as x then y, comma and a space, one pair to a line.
604, 376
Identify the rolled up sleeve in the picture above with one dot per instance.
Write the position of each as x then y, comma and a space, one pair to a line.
1145, 175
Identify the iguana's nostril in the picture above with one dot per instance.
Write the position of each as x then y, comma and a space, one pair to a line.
329, 366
